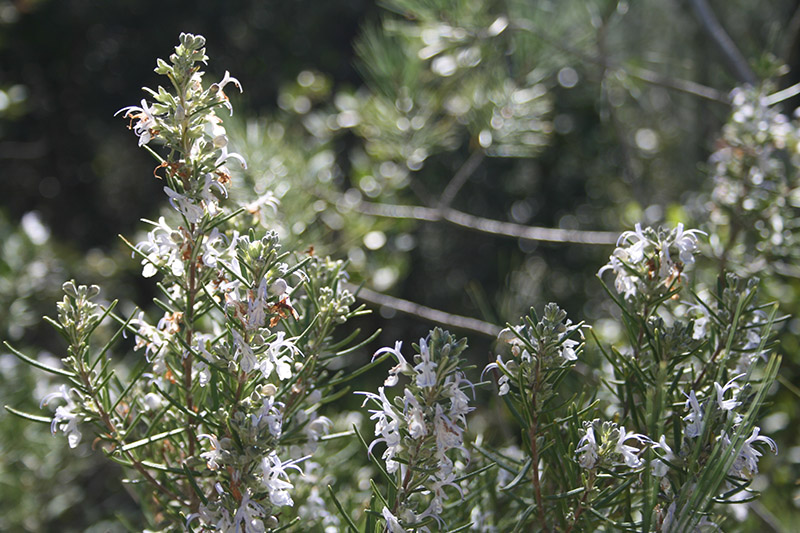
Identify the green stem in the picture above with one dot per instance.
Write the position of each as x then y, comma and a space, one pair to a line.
582, 502
114, 434
537, 490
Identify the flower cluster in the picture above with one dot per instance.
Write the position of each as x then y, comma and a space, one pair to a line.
198, 176
421, 427
227, 400
749, 335
745, 466
756, 184
539, 350
77, 318
717, 415
221, 414
607, 445
712, 428
649, 263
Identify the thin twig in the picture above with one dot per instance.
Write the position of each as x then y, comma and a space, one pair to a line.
678, 84
582, 503
487, 225
191, 294
661, 80
628, 164
785, 94
460, 178
531, 233
733, 56
412, 212
426, 313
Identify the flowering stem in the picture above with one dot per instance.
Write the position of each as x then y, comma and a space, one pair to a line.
637, 349
711, 361
401, 494
582, 502
114, 434
187, 360
189, 320
537, 491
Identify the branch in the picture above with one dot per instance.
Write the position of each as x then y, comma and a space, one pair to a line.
628, 164
426, 313
678, 84
487, 225
785, 94
736, 61
661, 80
460, 178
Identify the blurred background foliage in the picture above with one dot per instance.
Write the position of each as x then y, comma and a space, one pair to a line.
568, 114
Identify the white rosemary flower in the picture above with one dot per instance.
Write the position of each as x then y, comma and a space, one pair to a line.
587, 449
279, 357
630, 454
145, 127
695, 417
392, 523
247, 358
387, 427
163, 248
66, 417
276, 480
402, 364
727, 405
746, 463
644, 256
426, 369
214, 455
249, 516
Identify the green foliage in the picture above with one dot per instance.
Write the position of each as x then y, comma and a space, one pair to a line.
592, 115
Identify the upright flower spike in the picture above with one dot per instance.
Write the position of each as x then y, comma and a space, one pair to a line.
232, 381
535, 351
754, 174
422, 427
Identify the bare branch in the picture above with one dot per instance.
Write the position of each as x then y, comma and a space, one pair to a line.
487, 225
460, 178
785, 94
531, 233
736, 61
678, 84
628, 164
413, 212
647, 76
423, 312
